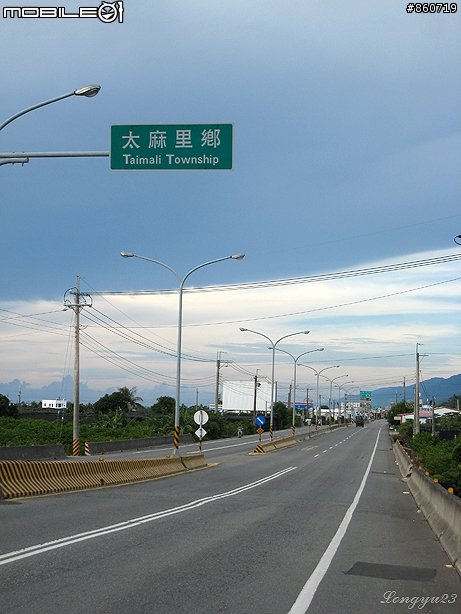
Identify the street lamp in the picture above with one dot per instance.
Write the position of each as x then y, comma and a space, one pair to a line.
331, 391
340, 386
317, 373
178, 359
339, 394
88, 92
294, 380
273, 346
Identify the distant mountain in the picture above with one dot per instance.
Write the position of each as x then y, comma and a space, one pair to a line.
438, 387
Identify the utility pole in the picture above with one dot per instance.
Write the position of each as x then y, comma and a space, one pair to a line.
404, 396
254, 396
216, 393
79, 302
76, 416
433, 415
416, 407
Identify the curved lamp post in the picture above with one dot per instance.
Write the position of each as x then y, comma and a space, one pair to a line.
317, 373
178, 359
294, 380
273, 345
88, 92
331, 390
342, 386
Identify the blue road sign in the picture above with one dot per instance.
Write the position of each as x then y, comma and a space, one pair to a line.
260, 420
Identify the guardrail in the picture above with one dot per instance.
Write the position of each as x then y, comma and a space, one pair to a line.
28, 478
441, 508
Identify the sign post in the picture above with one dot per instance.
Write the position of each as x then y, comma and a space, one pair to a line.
171, 147
260, 421
200, 418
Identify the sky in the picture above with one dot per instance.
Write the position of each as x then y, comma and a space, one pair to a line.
346, 158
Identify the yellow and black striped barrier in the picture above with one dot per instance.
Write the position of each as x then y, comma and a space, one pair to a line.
275, 444
262, 448
28, 478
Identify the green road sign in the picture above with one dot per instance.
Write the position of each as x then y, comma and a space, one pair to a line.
365, 395
171, 147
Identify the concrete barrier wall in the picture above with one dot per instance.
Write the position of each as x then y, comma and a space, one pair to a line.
262, 448
27, 478
193, 461
403, 459
103, 447
441, 508
51, 452
285, 442
293, 440
443, 513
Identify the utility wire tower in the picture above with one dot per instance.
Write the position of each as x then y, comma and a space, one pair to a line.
76, 300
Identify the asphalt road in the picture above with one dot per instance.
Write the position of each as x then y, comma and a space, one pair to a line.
325, 527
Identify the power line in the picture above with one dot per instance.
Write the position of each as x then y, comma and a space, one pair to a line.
302, 280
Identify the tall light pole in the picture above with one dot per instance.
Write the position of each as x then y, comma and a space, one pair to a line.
272, 347
339, 391
88, 92
331, 390
317, 373
294, 379
178, 359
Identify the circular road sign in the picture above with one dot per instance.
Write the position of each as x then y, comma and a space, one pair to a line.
260, 420
200, 417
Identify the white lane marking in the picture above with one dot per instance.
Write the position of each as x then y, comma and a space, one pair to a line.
305, 597
206, 449
9, 557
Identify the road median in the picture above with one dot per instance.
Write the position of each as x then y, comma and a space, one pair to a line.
32, 478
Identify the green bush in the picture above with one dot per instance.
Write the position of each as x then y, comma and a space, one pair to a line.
442, 459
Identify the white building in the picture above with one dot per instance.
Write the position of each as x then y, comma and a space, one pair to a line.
425, 413
54, 404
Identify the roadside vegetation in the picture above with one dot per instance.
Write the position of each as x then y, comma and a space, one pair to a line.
440, 457
117, 416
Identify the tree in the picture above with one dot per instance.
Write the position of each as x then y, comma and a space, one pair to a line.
124, 400
7, 409
129, 395
165, 405
399, 408
282, 415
